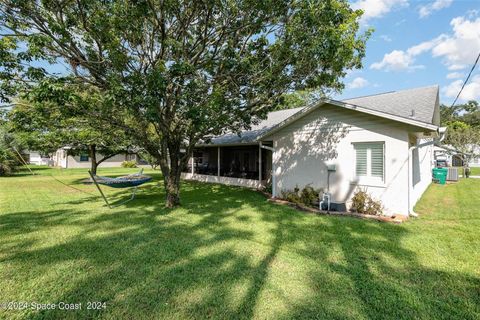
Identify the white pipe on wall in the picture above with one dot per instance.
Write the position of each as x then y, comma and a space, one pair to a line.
193, 162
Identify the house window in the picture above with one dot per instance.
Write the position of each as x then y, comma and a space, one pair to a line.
84, 157
369, 160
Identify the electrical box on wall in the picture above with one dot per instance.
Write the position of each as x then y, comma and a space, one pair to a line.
331, 167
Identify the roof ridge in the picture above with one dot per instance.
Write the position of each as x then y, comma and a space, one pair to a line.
281, 110
369, 95
390, 92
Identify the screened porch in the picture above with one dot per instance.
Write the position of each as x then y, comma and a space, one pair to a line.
248, 165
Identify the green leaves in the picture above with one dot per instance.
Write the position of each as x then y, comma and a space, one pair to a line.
463, 122
187, 69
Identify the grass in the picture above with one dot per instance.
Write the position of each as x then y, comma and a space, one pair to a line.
475, 171
228, 253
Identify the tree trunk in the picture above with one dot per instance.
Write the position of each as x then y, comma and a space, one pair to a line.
93, 158
171, 163
172, 189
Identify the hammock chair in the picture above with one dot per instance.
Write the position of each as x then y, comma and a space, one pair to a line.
129, 181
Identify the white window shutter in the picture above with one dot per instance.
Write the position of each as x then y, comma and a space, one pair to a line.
361, 160
369, 160
377, 160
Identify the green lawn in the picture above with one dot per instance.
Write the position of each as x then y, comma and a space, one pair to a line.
228, 253
475, 171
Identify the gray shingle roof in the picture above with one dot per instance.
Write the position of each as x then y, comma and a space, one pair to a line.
416, 104
257, 130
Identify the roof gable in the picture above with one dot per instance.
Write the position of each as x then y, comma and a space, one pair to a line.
417, 104
418, 107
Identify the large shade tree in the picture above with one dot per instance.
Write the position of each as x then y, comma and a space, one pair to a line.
184, 70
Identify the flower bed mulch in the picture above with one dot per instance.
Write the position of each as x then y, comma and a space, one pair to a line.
392, 219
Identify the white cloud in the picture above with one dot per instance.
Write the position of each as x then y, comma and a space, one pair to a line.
424, 46
377, 8
397, 60
455, 75
357, 83
470, 92
461, 48
386, 38
454, 67
458, 49
426, 10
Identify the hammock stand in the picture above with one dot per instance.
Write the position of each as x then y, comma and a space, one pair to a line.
131, 180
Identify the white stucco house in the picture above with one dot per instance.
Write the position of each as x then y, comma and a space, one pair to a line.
474, 161
37, 158
61, 158
382, 143
456, 158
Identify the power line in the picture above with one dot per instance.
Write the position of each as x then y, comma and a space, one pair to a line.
466, 80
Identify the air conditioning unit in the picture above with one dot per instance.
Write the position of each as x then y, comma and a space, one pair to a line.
452, 174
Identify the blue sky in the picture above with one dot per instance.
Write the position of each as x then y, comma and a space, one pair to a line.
418, 43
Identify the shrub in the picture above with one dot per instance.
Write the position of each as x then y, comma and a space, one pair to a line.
268, 188
7, 167
150, 159
307, 196
363, 203
8, 162
129, 164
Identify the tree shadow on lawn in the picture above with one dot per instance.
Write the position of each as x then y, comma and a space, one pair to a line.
227, 253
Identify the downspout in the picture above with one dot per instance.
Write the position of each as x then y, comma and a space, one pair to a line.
273, 168
410, 187
441, 132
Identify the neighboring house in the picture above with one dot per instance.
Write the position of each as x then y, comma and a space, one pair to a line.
474, 162
382, 143
62, 158
451, 156
35, 157
474, 159
454, 157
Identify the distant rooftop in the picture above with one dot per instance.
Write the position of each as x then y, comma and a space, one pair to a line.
417, 104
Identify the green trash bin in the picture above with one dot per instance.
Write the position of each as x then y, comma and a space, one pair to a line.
440, 175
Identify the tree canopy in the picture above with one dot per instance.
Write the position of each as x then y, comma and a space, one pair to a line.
184, 70
463, 122
468, 113
299, 98
47, 126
